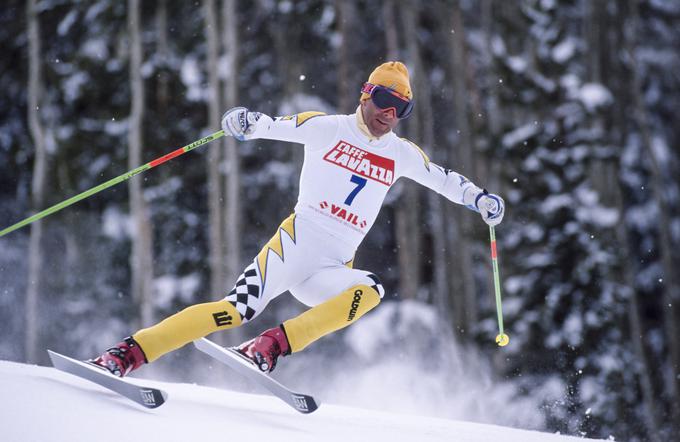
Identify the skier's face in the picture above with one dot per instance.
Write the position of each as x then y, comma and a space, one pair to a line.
379, 121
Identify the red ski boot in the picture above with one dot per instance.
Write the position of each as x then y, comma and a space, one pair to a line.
265, 349
121, 359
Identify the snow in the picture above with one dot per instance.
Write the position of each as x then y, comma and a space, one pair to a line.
531, 164
556, 202
303, 102
564, 50
642, 216
517, 64
520, 134
591, 211
74, 84
429, 374
65, 24
661, 151
170, 287
40, 403
96, 49
190, 74
602, 216
498, 46
540, 259
94, 11
115, 224
594, 95
166, 189
572, 330
116, 128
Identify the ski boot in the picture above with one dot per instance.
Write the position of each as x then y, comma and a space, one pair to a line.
264, 350
121, 359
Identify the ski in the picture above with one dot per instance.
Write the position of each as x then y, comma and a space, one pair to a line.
144, 396
234, 360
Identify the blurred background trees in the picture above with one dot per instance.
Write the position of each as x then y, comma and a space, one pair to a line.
564, 107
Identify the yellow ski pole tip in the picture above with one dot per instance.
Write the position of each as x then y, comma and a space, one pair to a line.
502, 340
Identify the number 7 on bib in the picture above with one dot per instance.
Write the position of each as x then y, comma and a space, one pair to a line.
361, 183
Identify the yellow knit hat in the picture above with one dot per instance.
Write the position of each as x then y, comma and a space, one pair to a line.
392, 74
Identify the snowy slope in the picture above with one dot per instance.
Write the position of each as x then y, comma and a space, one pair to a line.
43, 404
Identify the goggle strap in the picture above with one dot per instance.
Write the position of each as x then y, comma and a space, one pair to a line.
367, 88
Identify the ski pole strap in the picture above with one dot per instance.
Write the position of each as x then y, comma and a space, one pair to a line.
112, 182
496, 278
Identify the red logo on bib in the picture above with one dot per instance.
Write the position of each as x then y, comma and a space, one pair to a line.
343, 214
362, 163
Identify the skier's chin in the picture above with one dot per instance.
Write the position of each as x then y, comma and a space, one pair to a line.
379, 128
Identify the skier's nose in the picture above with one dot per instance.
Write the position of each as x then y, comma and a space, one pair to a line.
389, 114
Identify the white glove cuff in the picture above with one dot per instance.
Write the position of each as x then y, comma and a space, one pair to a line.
470, 196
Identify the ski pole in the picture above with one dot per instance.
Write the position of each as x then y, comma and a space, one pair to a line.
112, 182
501, 339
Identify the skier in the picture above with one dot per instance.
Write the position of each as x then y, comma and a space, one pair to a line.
350, 162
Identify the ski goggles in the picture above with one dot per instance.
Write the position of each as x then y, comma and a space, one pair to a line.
386, 98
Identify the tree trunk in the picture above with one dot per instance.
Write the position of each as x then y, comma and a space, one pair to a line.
465, 306
670, 274
603, 174
216, 245
592, 23
347, 88
440, 291
35, 271
644, 367
492, 107
391, 34
407, 220
290, 64
649, 377
233, 184
425, 134
142, 254
163, 89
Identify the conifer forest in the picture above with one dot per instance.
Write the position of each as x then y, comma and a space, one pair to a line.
562, 107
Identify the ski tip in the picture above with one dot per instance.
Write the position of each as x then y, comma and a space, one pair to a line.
52, 355
152, 398
231, 357
304, 404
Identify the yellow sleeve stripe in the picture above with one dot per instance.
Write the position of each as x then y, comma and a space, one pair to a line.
303, 117
426, 159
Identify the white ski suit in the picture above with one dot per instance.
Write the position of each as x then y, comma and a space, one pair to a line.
345, 177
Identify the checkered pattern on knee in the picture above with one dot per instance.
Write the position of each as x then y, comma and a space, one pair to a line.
245, 295
377, 285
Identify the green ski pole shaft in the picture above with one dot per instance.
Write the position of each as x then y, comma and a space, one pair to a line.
502, 339
112, 182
